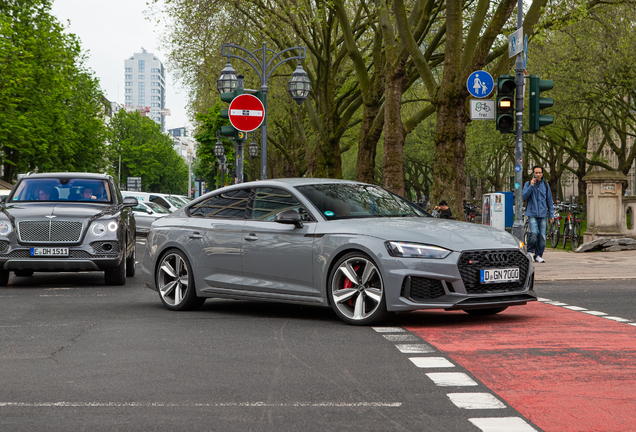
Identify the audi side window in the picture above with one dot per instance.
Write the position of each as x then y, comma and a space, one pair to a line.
226, 205
268, 202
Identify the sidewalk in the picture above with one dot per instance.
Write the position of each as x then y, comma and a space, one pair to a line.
586, 266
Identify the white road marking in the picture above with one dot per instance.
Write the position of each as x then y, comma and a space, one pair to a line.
634, 324
389, 329
401, 338
415, 348
575, 308
475, 401
596, 313
220, 404
619, 319
556, 303
502, 424
541, 299
431, 362
451, 379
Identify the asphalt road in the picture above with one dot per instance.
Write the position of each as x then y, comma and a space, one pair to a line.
79, 355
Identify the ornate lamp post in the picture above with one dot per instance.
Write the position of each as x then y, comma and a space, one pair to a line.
298, 87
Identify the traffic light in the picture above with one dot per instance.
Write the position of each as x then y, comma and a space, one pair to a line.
505, 109
231, 131
537, 103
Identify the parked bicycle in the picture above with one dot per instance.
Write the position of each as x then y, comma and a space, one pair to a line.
554, 232
572, 226
470, 211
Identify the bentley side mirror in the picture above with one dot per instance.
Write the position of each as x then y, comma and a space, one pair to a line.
289, 217
130, 202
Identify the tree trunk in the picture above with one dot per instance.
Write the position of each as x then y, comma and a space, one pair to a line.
450, 150
367, 144
394, 134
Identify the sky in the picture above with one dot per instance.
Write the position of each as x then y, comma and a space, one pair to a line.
112, 31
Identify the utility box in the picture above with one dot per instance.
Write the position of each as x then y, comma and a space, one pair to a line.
497, 210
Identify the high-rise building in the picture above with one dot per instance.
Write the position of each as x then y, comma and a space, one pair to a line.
145, 87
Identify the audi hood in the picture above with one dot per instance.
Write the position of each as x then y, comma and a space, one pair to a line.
449, 234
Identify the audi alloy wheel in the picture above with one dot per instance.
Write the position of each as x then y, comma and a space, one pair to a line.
356, 290
176, 284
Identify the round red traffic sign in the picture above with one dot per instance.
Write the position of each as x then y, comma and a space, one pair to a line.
246, 112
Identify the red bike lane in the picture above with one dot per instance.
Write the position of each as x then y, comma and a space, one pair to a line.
564, 370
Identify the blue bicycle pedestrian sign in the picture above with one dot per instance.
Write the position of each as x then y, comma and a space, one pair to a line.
480, 84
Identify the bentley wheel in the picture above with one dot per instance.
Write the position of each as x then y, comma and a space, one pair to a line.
356, 290
175, 282
485, 312
131, 262
116, 276
4, 277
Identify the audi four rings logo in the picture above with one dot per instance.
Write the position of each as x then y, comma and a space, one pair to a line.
497, 258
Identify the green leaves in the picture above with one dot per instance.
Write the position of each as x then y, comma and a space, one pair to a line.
145, 152
51, 113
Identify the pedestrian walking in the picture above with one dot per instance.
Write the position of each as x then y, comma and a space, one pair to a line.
538, 195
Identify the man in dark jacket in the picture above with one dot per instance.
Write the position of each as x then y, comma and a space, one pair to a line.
539, 197
444, 211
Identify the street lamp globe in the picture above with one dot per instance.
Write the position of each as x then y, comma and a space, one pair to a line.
219, 150
252, 150
227, 81
299, 85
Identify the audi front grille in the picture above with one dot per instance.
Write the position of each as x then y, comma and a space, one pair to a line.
471, 262
50, 231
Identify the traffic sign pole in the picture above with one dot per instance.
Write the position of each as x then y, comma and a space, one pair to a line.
517, 227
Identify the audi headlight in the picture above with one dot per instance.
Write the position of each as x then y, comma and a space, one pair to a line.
416, 250
98, 229
5, 228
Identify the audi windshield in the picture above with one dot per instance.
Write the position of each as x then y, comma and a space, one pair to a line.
62, 190
350, 200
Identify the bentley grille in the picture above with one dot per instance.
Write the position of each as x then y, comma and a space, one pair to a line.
471, 262
50, 231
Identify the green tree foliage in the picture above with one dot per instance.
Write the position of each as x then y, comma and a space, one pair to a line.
145, 152
207, 167
51, 109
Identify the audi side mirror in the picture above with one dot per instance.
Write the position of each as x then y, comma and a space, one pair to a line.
130, 202
289, 217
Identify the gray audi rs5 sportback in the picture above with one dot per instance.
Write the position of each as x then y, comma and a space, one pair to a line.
352, 246
67, 222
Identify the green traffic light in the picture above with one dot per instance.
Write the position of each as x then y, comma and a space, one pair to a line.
537, 103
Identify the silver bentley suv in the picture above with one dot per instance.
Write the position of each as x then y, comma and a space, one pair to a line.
67, 222
354, 247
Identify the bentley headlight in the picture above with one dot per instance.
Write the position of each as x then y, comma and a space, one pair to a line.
5, 228
416, 250
112, 226
98, 229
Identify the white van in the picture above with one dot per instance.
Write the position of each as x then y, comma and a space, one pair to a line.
166, 201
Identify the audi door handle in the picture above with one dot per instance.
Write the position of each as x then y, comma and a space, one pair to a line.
251, 237
195, 235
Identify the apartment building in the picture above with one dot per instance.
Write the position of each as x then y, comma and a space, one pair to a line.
145, 87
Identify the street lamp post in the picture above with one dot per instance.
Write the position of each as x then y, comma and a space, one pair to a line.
298, 87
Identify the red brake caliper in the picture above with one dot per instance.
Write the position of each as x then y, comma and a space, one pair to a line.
348, 284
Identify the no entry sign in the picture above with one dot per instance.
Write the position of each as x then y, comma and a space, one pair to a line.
246, 112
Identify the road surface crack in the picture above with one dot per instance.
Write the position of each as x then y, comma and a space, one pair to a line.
72, 340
